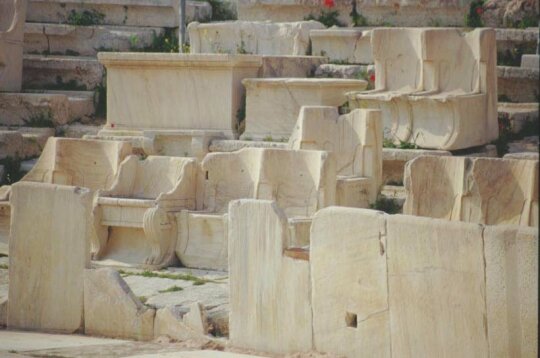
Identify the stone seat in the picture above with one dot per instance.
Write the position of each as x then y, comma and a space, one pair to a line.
435, 87
300, 181
481, 190
143, 196
355, 139
92, 164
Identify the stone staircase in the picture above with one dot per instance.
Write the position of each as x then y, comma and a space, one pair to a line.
64, 89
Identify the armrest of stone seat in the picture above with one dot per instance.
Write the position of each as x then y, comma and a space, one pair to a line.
183, 195
123, 183
5, 192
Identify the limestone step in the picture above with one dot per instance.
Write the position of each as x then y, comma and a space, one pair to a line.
67, 73
82, 104
78, 130
59, 39
519, 115
159, 13
517, 84
50, 108
23, 142
508, 39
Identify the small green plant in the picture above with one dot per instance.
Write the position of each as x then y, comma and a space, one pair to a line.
328, 18
241, 116
12, 170
357, 18
4, 266
143, 299
241, 49
528, 21
172, 289
186, 48
503, 98
85, 18
42, 119
221, 11
197, 281
164, 42
134, 42
268, 138
512, 57
388, 205
474, 16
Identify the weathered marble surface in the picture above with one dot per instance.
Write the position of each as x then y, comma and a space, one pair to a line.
273, 104
355, 139
112, 310
12, 19
134, 221
181, 92
252, 37
428, 95
269, 292
49, 250
482, 190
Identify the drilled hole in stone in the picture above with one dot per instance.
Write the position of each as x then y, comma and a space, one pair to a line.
351, 320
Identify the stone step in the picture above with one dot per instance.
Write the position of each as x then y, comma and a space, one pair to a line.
59, 39
50, 108
82, 104
517, 84
66, 73
78, 130
519, 115
514, 84
23, 142
158, 13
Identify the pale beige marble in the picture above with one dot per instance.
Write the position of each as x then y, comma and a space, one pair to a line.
429, 95
49, 250
86, 163
273, 104
269, 292
12, 19
143, 198
512, 290
482, 190
350, 45
349, 283
181, 92
252, 37
300, 181
355, 139
112, 310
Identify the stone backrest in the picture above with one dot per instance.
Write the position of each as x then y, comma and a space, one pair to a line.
457, 61
398, 58
354, 138
253, 37
379, 280
87, 163
153, 177
300, 181
481, 190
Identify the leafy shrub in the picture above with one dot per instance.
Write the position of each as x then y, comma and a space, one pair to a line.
85, 18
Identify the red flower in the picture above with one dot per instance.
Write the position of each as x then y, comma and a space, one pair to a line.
329, 3
372, 77
479, 10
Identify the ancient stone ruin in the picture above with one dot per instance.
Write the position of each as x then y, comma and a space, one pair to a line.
296, 179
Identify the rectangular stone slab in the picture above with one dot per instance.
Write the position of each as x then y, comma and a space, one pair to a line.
273, 104
49, 250
175, 91
436, 288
